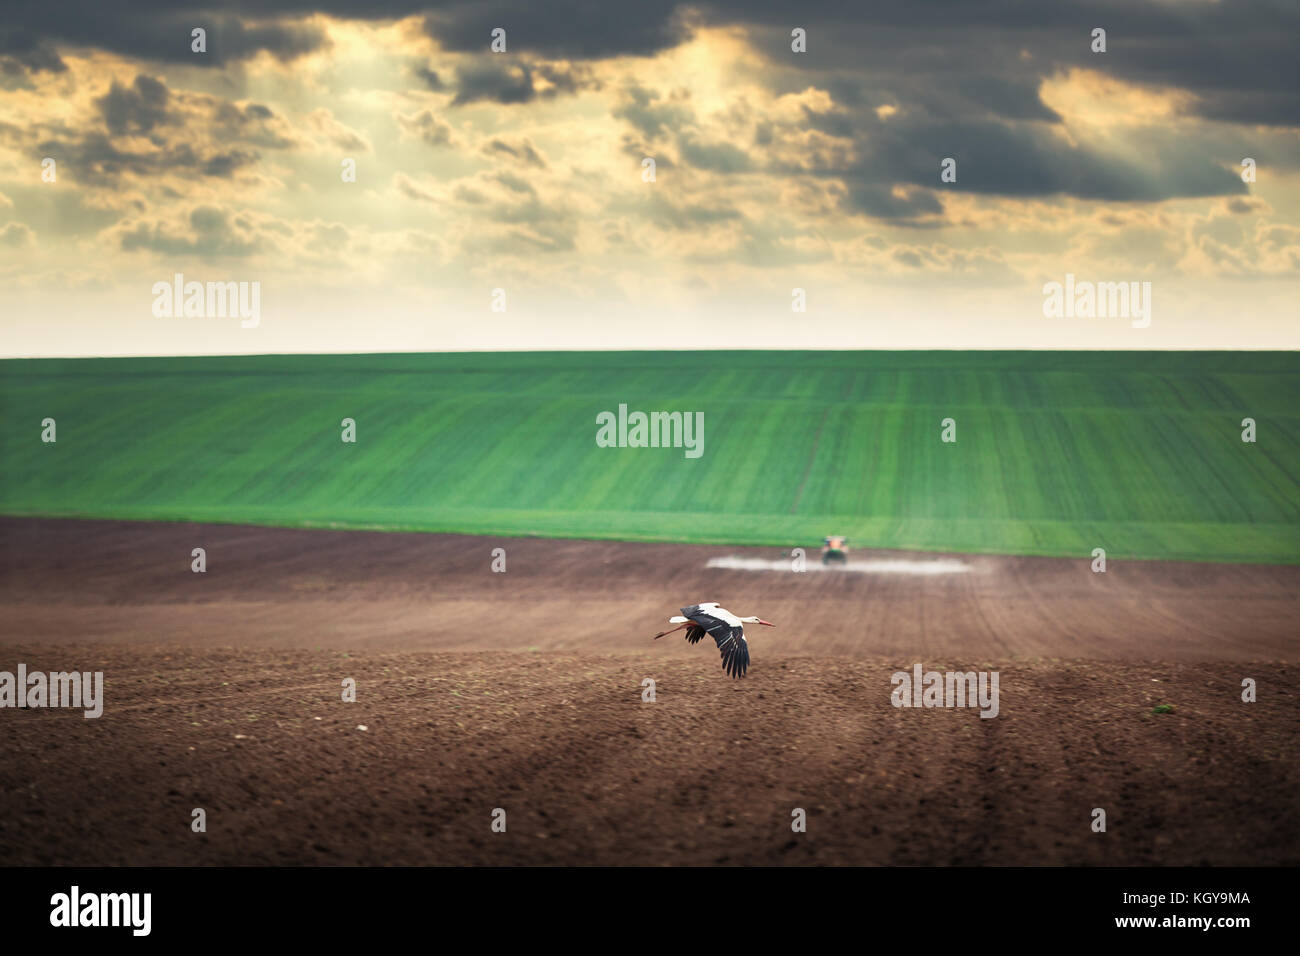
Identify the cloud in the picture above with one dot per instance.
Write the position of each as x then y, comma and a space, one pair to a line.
424, 125
138, 108
716, 156
522, 151
687, 215
17, 235
94, 158
252, 124
515, 183
431, 79
145, 130
321, 121
16, 71
209, 232
650, 113
410, 190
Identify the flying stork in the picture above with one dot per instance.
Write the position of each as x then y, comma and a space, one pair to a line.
724, 627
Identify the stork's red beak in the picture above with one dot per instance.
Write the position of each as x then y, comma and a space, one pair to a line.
768, 623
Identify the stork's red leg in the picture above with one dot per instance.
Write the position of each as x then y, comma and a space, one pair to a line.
677, 628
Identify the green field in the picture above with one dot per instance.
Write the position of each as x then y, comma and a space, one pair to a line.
1057, 452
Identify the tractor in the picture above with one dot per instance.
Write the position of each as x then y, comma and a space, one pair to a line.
834, 550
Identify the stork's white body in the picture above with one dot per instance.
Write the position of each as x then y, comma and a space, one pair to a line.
721, 613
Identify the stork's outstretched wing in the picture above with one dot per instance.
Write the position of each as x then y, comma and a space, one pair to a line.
729, 637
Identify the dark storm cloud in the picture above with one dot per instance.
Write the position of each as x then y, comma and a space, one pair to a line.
964, 76
239, 29
36, 57
1239, 58
153, 30
509, 82
568, 29
497, 83
881, 201
999, 158
965, 79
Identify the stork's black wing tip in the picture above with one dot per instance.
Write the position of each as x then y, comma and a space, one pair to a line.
735, 659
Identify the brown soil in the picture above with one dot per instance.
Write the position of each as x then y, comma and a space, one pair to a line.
522, 691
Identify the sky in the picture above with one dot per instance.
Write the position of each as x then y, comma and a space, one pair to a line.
502, 200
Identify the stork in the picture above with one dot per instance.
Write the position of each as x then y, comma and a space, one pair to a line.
727, 630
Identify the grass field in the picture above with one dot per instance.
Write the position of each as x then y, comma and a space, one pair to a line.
1057, 453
